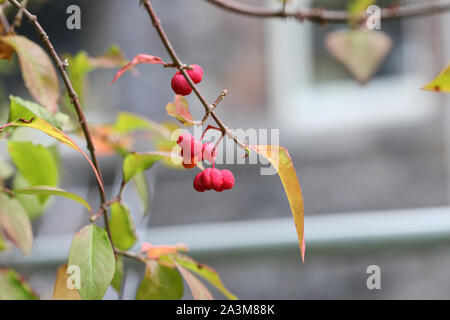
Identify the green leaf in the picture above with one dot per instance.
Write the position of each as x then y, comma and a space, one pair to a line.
128, 122
160, 283
47, 190
179, 109
139, 162
281, 160
79, 67
31, 203
204, 271
14, 287
361, 52
15, 223
37, 70
36, 163
441, 83
22, 109
41, 125
82, 64
60, 290
118, 275
122, 228
198, 289
91, 251
143, 191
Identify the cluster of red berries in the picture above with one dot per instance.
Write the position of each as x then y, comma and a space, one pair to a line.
179, 83
194, 151
214, 179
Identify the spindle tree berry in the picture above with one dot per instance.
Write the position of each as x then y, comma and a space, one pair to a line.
179, 83
213, 179
191, 150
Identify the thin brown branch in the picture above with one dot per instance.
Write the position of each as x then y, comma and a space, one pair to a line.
19, 17
219, 99
333, 16
3, 20
73, 97
180, 65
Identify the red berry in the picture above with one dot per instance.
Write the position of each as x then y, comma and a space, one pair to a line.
228, 179
198, 184
196, 74
216, 180
180, 85
207, 152
212, 178
206, 179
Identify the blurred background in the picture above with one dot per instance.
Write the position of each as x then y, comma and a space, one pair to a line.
373, 161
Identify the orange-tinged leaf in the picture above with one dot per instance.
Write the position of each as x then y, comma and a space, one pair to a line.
38, 71
202, 270
282, 162
179, 109
6, 51
41, 125
441, 83
61, 290
139, 59
106, 140
361, 51
198, 289
154, 252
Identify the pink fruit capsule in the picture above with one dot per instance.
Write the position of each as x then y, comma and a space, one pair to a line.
228, 179
180, 85
196, 74
207, 152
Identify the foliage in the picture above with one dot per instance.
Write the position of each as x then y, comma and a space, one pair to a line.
32, 175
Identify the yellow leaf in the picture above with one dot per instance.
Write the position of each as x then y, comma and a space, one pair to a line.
282, 162
41, 125
441, 83
61, 291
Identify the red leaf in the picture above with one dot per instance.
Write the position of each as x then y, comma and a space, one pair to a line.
139, 59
